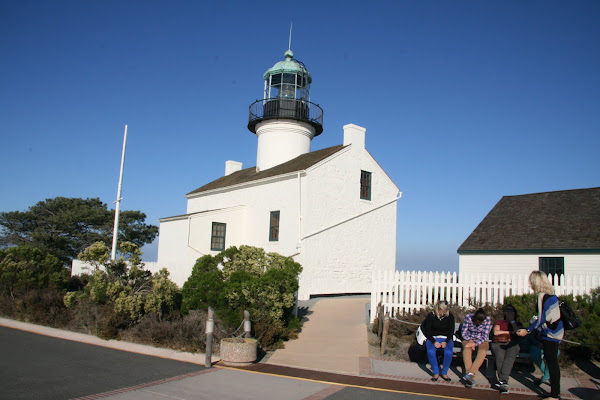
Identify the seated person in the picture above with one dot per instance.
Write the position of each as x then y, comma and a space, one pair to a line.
506, 346
438, 328
475, 333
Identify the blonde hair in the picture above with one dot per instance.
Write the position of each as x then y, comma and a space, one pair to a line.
540, 283
441, 305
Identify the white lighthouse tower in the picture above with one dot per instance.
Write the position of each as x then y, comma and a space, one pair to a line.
285, 121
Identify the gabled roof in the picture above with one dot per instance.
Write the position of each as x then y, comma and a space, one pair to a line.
299, 163
567, 220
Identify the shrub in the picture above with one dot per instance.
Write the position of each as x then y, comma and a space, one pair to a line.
183, 333
249, 279
127, 290
23, 269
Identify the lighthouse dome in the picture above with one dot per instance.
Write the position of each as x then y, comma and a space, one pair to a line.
289, 65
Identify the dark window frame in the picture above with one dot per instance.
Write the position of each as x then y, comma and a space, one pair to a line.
366, 178
216, 237
274, 218
552, 266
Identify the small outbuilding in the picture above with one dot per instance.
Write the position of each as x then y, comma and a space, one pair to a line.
555, 232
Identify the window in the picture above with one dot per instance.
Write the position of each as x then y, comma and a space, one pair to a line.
365, 185
217, 238
274, 227
552, 266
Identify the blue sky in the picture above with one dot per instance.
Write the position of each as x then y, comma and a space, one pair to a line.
463, 101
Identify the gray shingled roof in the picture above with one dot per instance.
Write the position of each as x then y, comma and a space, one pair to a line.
567, 220
299, 163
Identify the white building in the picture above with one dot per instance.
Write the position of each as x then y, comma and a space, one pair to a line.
555, 232
332, 210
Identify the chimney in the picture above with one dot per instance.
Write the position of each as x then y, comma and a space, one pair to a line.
232, 166
354, 135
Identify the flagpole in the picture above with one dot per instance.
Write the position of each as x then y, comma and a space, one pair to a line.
118, 206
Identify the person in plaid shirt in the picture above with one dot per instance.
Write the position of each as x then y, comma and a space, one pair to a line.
475, 334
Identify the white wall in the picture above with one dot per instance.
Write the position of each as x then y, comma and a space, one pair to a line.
519, 263
259, 200
280, 141
346, 237
172, 241
200, 230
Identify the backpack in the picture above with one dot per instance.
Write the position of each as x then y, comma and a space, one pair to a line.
568, 317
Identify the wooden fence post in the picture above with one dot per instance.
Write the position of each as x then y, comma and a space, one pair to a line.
210, 327
379, 320
386, 328
247, 325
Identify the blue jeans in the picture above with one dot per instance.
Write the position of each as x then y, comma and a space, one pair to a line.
431, 354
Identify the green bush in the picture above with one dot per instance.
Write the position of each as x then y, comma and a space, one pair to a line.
23, 269
249, 279
587, 307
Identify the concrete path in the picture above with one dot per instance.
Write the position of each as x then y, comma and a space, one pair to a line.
333, 337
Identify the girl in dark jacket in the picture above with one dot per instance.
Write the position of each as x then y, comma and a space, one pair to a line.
438, 328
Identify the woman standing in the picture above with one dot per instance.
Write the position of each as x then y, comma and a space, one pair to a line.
551, 326
438, 328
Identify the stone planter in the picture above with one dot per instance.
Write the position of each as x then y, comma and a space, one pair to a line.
238, 352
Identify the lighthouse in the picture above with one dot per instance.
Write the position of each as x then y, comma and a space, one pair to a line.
332, 210
284, 121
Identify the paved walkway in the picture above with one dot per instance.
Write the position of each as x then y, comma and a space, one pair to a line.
331, 360
333, 338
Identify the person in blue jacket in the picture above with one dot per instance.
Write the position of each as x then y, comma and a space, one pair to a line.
550, 325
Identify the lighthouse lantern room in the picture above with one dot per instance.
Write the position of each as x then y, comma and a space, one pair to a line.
284, 121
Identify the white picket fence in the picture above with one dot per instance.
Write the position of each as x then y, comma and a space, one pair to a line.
405, 291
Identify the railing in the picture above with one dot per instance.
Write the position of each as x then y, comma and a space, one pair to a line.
300, 110
407, 291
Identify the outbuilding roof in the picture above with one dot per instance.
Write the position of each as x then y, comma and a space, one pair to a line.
299, 163
561, 221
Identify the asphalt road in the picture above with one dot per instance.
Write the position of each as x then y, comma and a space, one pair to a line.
40, 367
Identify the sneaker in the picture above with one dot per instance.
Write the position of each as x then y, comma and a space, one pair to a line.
504, 390
500, 385
468, 380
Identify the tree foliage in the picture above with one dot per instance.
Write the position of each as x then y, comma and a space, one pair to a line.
241, 279
23, 269
66, 226
125, 285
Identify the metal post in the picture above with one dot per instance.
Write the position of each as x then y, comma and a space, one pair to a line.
117, 207
247, 326
210, 327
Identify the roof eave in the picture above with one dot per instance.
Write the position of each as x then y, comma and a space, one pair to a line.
530, 251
